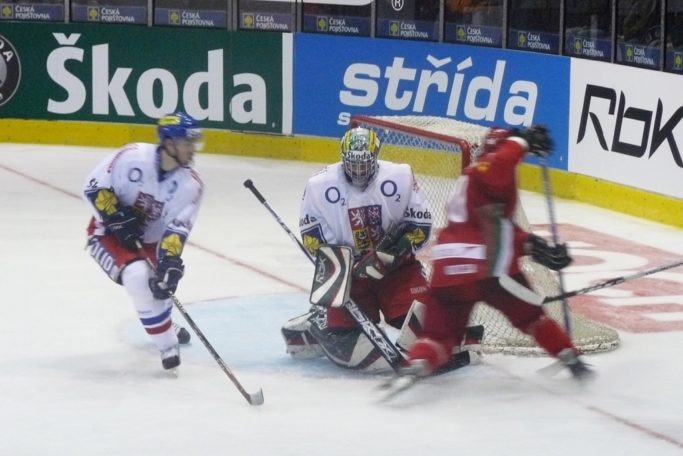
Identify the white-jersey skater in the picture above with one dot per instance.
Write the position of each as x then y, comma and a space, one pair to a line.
145, 199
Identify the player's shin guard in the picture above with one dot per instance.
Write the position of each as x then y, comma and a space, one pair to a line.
412, 329
154, 314
549, 335
412, 326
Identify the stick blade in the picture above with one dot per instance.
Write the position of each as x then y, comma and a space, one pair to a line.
256, 398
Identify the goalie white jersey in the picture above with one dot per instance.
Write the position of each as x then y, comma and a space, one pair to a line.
335, 212
166, 202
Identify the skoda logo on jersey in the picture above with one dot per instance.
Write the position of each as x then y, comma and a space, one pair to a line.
397, 5
419, 215
10, 70
307, 220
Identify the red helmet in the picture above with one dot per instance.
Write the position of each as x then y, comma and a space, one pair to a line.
494, 136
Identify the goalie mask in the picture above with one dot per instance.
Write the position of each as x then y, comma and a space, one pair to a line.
493, 137
359, 152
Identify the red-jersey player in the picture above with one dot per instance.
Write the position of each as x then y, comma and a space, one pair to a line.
482, 244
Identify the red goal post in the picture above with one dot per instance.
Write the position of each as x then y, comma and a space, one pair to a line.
437, 148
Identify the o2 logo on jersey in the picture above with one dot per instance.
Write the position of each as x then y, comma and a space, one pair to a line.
332, 195
389, 188
10, 70
135, 175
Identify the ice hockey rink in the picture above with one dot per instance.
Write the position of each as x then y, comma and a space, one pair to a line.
79, 377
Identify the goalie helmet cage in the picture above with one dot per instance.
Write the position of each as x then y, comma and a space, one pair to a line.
438, 148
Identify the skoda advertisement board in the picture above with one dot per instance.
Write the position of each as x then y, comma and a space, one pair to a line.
336, 77
129, 74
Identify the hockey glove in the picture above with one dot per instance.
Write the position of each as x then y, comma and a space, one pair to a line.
124, 225
169, 272
553, 257
395, 255
538, 137
395, 248
369, 266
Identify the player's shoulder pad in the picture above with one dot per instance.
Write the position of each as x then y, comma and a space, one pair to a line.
400, 173
329, 173
393, 170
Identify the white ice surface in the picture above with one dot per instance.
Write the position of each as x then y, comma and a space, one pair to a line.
79, 377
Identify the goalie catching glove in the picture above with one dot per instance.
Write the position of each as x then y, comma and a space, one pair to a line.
392, 251
395, 248
169, 272
369, 266
553, 257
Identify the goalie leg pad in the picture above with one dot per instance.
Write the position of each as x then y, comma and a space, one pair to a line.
472, 339
412, 326
412, 329
299, 342
349, 348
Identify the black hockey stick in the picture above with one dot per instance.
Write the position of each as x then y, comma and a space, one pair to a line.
532, 297
388, 350
253, 399
613, 282
553, 229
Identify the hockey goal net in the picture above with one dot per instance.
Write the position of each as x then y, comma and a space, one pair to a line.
438, 148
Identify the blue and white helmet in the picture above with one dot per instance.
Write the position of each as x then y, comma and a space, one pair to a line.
180, 126
359, 153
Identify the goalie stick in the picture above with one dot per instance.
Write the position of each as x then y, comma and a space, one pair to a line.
252, 398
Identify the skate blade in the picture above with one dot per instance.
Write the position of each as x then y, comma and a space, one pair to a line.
552, 369
395, 386
173, 372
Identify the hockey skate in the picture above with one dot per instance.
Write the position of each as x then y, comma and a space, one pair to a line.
405, 378
572, 361
182, 334
170, 358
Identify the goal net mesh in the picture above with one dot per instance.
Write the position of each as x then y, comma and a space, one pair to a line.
438, 148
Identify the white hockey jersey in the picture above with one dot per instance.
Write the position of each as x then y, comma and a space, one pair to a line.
335, 212
166, 202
